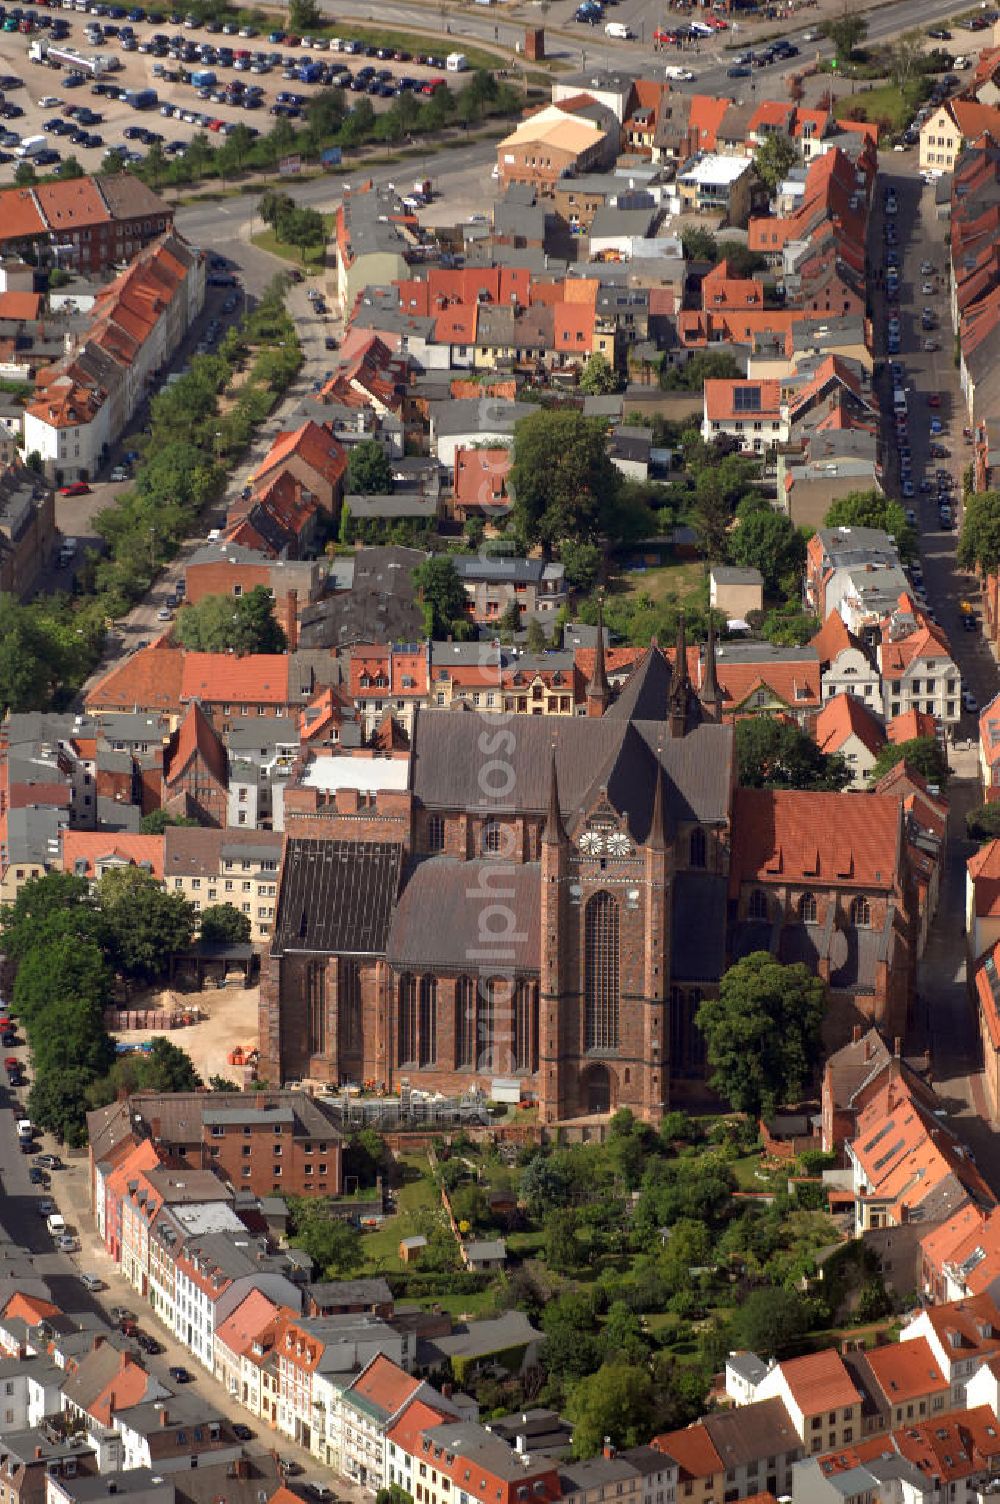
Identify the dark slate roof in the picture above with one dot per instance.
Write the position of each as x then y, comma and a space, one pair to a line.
644, 695
438, 917
337, 896
448, 756
698, 926
380, 606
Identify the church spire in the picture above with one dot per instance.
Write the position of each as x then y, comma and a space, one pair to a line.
599, 690
657, 838
553, 834
710, 693
680, 694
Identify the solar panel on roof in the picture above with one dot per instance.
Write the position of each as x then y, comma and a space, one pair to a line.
747, 399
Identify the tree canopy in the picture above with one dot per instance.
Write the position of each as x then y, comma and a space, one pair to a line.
443, 597
769, 1322
599, 377
223, 923
762, 1032
368, 470
147, 923
774, 754
766, 540
618, 1401
922, 753
872, 509
846, 31
564, 484
979, 545
775, 154
333, 1245
225, 623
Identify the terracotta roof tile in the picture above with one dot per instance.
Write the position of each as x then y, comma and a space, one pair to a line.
843, 717
817, 837
906, 1370
91, 847
820, 1381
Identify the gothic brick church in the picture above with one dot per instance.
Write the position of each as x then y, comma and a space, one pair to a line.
550, 903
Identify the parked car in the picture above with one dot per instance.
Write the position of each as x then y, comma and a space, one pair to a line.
92, 1282
48, 1161
179, 1374
77, 488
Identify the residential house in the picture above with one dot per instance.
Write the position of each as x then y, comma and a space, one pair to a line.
711, 183
954, 124
195, 774
847, 667
845, 727
963, 1335
903, 1381
735, 591
368, 1409
751, 412
553, 143
234, 866
918, 670
312, 457
820, 1398
88, 223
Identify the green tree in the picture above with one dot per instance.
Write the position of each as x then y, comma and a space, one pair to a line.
564, 484
225, 623
582, 562
905, 57
111, 164
563, 1249
617, 1401
704, 365
69, 1034
872, 509
32, 658
536, 640
166, 1067
442, 595
766, 540
983, 824
773, 754
699, 244
147, 924
69, 167
773, 157
156, 822
368, 470
770, 1322
332, 1244
923, 754
302, 228
65, 966
571, 1347
846, 31
25, 175
58, 1103
544, 1184
599, 377
39, 901
622, 1336
304, 16
762, 1032
274, 205
510, 620
979, 545
222, 923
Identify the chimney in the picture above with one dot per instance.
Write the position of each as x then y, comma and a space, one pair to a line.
164, 1417
608, 1450
869, 1049
98, 1341
291, 621
856, 1034
897, 1047
38, 1452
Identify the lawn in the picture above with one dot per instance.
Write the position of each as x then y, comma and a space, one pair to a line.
664, 582
314, 258
417, 1192
885, 105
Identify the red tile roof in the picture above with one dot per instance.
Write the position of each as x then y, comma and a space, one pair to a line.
720, 399
820, 1381
256, 679
843, 717
984, 869
693, 1451
196, 736
832, 638
796, 835
906, 1370
91, 847
20, 305
314, 444
147, 680
951, 1447
247, 1324
910, 725
705, 115
385, 1384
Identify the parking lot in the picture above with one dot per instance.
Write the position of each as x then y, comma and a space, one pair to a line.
172, 79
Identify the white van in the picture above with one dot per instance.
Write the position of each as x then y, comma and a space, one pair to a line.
456, 62
56, 1224
677, 74
618, 29
30, 147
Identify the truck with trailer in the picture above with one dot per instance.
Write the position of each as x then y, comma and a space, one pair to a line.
41, 51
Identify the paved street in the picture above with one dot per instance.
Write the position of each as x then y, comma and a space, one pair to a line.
943, 1019
23, 1224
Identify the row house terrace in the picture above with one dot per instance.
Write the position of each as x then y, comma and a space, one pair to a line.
215, 1273
436, 1462
317, 1357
